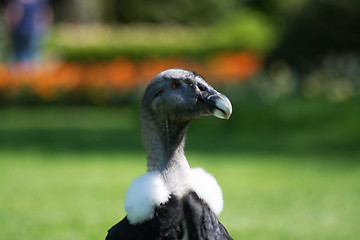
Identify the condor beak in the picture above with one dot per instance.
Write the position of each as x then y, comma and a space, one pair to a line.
217, 104
221, 106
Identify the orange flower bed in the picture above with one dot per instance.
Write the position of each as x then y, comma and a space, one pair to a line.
49, 81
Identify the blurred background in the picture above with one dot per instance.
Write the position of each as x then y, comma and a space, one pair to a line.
72, 74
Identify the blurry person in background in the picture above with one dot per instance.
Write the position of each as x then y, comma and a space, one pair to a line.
26, 22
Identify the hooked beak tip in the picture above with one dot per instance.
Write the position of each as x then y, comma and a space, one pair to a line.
223, 107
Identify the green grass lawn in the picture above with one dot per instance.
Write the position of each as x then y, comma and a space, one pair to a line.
80, 196
287, 170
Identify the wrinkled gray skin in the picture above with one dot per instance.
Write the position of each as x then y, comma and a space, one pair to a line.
172, 100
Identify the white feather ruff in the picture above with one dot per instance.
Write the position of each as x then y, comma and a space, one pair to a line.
206, 187
149, 191
145, 193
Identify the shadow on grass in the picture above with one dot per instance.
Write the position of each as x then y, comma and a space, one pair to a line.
73, 140
294, 126
215, 141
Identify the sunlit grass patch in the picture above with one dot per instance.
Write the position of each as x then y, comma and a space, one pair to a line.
80, 196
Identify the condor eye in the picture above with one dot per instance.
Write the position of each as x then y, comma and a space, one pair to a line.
175, 84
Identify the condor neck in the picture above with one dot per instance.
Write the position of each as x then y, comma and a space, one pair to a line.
164, 142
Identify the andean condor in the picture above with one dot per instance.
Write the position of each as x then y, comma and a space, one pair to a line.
171, 200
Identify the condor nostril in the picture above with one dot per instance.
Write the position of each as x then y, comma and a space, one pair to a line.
201, 87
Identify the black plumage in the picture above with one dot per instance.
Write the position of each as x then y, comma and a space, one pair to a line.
172, 221
166, 224
173, 99
201, 222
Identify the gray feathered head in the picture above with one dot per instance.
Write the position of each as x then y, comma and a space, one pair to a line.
182, 95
